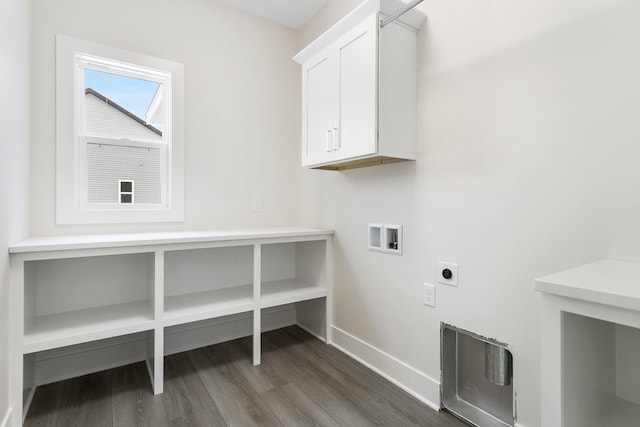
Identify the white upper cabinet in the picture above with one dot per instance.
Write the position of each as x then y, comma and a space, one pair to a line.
358, 90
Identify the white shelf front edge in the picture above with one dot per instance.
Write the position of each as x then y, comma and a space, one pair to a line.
197, 306
608, 282
102, 241
288, 291
79, 326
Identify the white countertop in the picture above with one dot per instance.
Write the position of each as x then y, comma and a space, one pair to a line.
89, 241
609, 282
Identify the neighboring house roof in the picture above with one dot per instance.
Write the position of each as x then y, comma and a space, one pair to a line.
89, 91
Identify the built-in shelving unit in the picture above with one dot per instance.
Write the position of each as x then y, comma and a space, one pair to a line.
590, 345
73, 290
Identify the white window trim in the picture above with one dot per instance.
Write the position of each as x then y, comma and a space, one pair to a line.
69, 210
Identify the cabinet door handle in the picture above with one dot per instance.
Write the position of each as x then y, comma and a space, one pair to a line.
329, 141
337, 144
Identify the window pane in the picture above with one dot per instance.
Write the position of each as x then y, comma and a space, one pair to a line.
116, 105
126, 187
125, 198
108, 164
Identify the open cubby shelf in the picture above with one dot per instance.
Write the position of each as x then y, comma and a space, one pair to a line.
288, 291
80, 289
197, 306
78, 326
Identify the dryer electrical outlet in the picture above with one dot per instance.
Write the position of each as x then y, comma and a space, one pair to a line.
448, 273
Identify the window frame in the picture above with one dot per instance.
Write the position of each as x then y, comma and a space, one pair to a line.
72, 206
84, 62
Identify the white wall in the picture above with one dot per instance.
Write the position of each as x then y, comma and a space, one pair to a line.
241, 105
527, 154
528, 164
14, 166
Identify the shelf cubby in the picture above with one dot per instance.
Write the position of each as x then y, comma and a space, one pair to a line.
300, 264
296, 273
74, 300
206, 283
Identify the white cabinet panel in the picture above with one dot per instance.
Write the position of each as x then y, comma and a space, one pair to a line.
357, 77
318, 110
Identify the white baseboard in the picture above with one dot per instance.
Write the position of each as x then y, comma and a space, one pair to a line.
408, 378
73, 361
414, 382
6, 419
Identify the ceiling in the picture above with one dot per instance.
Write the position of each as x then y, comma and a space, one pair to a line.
291, 13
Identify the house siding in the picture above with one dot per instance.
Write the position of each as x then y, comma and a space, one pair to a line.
102, 118
109, 163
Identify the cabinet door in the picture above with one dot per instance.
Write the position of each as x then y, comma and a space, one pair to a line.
318, 104
357, 68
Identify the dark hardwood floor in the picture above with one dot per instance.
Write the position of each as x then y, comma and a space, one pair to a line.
301, 382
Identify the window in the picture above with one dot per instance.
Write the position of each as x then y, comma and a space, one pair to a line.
120, 135
125, 194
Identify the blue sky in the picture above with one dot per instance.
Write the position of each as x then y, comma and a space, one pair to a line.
132, 94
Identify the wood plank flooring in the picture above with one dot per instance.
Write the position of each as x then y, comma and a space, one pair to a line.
301, 382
